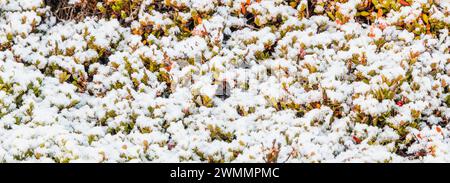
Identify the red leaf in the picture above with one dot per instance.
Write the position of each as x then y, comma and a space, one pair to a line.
356, 139
382, 26
168, 67
404, 3
379, 13
439, 130
302, 53
371, 33
243, 8
170, 146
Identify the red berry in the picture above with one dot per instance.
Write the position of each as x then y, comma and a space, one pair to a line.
400, 103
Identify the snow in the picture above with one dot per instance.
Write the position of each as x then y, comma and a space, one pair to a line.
312, 88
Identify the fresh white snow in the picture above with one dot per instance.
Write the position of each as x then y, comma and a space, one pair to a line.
310, 89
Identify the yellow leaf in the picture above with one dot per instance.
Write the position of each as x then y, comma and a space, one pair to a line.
293, 4
257, 21
365, 13
425, 18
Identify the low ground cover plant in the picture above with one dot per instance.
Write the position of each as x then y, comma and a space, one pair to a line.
224, 81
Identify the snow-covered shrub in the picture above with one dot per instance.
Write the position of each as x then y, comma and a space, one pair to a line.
224, 81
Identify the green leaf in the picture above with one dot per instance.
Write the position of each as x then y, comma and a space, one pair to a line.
365, 13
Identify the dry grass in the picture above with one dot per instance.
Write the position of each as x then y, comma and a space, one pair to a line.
62, 10
125, 10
